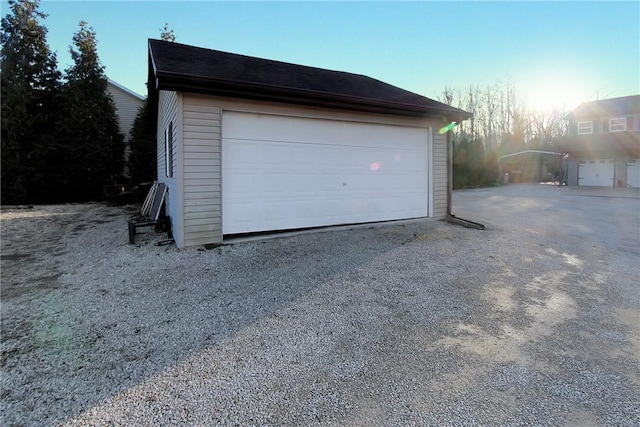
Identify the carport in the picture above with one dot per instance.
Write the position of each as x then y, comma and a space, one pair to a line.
531, 165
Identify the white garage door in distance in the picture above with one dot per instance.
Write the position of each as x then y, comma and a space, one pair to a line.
633, 173
596, 173
281, 172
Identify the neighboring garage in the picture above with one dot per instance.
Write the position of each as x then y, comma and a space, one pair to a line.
596, 173
250, 145
603, 143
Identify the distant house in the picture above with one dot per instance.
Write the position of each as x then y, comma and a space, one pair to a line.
251, 145
603, 143
127, 104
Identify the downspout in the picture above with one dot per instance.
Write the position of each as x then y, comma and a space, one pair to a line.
449, 174
451, 218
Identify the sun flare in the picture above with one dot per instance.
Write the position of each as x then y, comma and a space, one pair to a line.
553, 91
550, 96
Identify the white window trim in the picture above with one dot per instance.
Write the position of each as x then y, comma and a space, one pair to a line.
624, 123
581, 127
168, 150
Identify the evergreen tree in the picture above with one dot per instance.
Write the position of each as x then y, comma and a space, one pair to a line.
142, 138
167, 34
142, 160
94, 146
30, 87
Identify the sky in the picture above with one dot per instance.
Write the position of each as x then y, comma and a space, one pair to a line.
553, 52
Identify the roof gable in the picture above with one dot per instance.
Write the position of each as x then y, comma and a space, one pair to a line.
187, 68
607, 108
124, 89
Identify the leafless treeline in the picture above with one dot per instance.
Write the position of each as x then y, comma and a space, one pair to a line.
502, 120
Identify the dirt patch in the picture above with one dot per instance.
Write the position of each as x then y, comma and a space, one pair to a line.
35, 242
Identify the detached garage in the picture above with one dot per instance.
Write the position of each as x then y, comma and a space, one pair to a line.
251, 145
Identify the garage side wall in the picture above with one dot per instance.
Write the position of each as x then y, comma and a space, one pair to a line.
202, 179
439, 174
168, 117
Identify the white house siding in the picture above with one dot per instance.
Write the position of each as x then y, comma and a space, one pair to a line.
127, 105
202, 157
202, 185
169, 111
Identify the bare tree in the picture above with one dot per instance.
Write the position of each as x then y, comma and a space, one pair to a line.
447, 96
491, 106
548, 126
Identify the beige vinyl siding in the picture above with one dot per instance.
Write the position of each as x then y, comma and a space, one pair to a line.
168, 112
439, 175
202, 175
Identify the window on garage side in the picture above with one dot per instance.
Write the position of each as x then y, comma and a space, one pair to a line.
168, 150
618, 124
585, 127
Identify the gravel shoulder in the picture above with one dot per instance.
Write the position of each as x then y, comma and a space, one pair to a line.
535, 320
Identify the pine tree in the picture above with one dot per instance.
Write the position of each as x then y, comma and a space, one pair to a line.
167, 34
142, 160
30, 87
94, 146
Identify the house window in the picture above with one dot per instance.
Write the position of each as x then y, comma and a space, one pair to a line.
168, 150
585, 127
618, 124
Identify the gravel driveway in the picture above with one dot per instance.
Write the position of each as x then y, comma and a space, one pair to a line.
535, 320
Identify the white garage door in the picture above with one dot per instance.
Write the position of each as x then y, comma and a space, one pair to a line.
597, 173
281, 172
633, 173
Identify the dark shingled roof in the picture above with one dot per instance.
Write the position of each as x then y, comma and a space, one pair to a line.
180, 67
606, 108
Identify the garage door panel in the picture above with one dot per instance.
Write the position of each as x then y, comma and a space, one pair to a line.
268, 127
596, 172
240, 183
283, 172
242, 155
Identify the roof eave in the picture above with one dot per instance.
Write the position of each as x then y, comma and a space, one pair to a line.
124, 89
196, 84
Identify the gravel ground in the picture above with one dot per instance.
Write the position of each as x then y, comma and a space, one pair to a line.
533, 321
